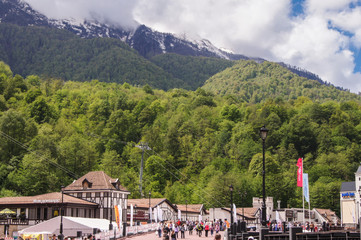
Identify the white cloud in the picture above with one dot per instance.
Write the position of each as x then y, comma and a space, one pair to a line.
113, 11
261, 28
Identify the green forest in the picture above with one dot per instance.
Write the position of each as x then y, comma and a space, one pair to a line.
54, 53
53, 131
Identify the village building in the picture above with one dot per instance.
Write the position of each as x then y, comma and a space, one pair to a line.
165, 209
350, 201
94, 195
192, 212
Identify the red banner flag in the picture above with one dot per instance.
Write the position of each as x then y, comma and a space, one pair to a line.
299, 173
117, 219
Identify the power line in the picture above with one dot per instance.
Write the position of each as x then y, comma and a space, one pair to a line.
142, 146
145, 146
199, 188
38, 154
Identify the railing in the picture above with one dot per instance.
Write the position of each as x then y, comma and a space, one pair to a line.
11, 221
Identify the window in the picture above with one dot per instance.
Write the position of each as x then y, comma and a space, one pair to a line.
105, 213
106, 194
55, 212
88, 194
77, 212
38, 211
97, 194
78, 195
45, 213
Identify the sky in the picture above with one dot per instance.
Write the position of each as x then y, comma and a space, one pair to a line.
323, 37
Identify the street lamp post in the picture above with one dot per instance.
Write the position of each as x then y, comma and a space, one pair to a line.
149, 215
231, 190
263, 135
186, 211
111, 211
244, 197
135, 212
61, 213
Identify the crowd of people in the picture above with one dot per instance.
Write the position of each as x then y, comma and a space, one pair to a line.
173, 230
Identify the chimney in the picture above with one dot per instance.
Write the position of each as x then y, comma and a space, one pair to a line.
278, 204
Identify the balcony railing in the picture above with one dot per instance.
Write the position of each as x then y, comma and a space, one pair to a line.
11, 221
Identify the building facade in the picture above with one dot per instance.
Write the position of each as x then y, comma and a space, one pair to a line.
97, 187
92, 196
350, 201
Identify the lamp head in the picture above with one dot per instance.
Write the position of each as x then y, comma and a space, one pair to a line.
263, 132
231, 188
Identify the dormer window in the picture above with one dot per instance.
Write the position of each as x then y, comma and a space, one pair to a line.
86, 184
116, 184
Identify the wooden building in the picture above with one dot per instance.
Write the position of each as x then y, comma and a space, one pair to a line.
94, 195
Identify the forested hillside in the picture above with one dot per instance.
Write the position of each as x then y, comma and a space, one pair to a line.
61, 54
54, 131
194, 71
255, 82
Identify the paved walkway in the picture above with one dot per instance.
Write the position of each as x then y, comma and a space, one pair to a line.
153, 236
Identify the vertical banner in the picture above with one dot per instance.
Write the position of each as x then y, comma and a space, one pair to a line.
179, 214
299, 172
278, 219
200, 218
131, 214
160, 213
155, 211
120, 213
116, 210
306, 192
234, 212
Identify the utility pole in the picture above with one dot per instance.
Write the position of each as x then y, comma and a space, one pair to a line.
144, 146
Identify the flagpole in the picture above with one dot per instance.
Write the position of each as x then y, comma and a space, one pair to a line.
303, 198
309, 210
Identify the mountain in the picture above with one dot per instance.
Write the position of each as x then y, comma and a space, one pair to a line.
143, 39
255, 82
55, 53
147, 42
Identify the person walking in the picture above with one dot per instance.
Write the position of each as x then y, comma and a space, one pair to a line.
182, 229
217, 237
190, 228
206, 229
200, 229
173, 235
176, 230
212, 228
217, 228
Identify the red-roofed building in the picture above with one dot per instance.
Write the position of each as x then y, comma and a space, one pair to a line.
92, 196
101, 189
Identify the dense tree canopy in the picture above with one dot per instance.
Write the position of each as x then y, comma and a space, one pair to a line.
54, 131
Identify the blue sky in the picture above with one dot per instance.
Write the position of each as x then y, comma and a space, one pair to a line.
321, 36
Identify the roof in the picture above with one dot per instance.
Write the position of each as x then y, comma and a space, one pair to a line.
144, 202
97, 180
194, 208
328, 214
70, 226
249, 212
348, 187
47, 198
358, 169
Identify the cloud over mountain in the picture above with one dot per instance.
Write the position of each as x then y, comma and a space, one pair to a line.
323, 37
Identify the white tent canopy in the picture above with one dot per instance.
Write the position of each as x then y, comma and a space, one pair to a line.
70, 226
